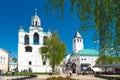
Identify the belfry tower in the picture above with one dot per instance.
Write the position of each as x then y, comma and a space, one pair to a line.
77, 43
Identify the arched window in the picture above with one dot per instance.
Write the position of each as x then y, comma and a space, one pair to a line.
80, 39
44, 40
36, 39
77, 40
28, 49
36, 23
26, 39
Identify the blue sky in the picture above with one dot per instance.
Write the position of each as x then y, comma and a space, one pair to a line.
15, 13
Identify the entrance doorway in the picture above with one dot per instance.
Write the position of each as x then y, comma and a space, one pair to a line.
73, 68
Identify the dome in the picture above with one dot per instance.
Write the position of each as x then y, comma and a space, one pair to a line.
21, 29
35, 17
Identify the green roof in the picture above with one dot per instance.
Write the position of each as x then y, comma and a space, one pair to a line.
86, 52
13, 63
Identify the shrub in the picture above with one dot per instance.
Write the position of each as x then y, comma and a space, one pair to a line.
60, 78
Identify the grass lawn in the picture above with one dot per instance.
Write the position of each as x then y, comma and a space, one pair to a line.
27, 73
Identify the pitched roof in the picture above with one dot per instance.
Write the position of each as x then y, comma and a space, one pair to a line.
77, 35
86, 52
4, 50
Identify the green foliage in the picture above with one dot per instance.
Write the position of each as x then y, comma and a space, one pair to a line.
104, 13
105, 59
59, 78
19, 73
44, 50
55, 50
55, 5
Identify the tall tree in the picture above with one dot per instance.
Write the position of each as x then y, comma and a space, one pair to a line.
105, 59
54, 50
104, 13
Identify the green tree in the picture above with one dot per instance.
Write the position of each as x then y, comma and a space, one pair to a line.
54, 50
101, 59
105, 59
104, 13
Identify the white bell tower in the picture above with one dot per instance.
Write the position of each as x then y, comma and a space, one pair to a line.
77, 43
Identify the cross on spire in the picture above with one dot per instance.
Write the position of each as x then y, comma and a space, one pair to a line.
35, 11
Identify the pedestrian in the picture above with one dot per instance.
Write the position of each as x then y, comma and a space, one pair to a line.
70, 72
13, 72
67, 72
78, 72
0, 72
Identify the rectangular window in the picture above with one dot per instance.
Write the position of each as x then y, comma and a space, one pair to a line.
4, 60
44, 62
30, 63
28, 49
0, 60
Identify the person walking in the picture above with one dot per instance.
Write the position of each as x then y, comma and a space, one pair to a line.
70, 72
0, 72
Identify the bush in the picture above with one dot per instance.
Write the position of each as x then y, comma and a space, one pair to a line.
59, 78
84, 73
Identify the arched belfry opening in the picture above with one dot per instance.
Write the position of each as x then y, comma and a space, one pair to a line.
36, 39
26, 39
36, 23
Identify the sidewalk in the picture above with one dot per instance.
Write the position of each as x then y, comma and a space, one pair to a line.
75, 76
43, 77
9, 77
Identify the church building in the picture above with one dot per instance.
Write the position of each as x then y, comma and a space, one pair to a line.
81, 59
29, 43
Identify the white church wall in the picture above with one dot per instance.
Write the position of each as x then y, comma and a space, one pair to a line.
88, 59
32, 59
76, 60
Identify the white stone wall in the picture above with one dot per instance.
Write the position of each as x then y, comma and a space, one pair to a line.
76, 60
88, 59
34, 56
77, 45
4, 58
12, 67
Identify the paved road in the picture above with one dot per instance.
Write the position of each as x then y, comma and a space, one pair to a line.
9, 77
43, 77
80, 77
